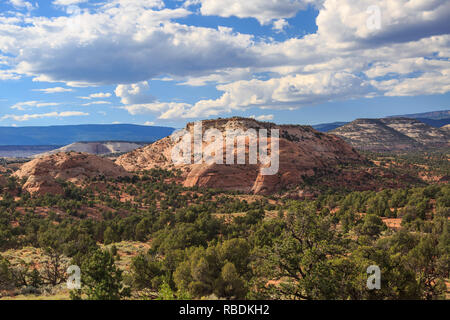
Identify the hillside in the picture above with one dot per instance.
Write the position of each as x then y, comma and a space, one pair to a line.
64, 135
392, 134
303, 152
98, 148
43, 175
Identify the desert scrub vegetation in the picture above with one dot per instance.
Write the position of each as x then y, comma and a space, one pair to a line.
146, 237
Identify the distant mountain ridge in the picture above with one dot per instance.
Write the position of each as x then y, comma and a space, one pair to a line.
435, 119
325, 127
392, 134
64, 135
433, 115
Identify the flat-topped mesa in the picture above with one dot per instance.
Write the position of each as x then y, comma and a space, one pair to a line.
96, 147
303, 152
42, 174
392, 134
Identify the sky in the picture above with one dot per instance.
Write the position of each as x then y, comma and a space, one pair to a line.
155, 62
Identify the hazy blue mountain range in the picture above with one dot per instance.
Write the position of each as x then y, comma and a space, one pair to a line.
434, 115
325, 127
435, 119
435, 123
63, 135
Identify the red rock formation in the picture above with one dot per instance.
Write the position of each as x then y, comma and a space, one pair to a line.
303, 152
41, 174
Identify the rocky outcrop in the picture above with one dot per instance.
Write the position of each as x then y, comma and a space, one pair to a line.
44, 174
303, 152
446, 128
392, 134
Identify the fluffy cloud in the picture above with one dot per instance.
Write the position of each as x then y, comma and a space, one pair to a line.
27, 117
263, 10
120, 42
264, 117
136, 93
21, 4
288, 92
280, 24
168, 110
8, 75
349, 22
425, 84
95, 103
68, 2
97, 95
126, 43
404, 66
54, 90
27, 104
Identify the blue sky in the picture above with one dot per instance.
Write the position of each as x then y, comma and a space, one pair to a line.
169, 62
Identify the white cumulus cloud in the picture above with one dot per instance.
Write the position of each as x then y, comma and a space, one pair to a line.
27, 117
136, 93
264, 117
129, 42
68, 2
21, 4
263, 10
96, 95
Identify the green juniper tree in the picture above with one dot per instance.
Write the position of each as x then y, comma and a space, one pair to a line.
100, 278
